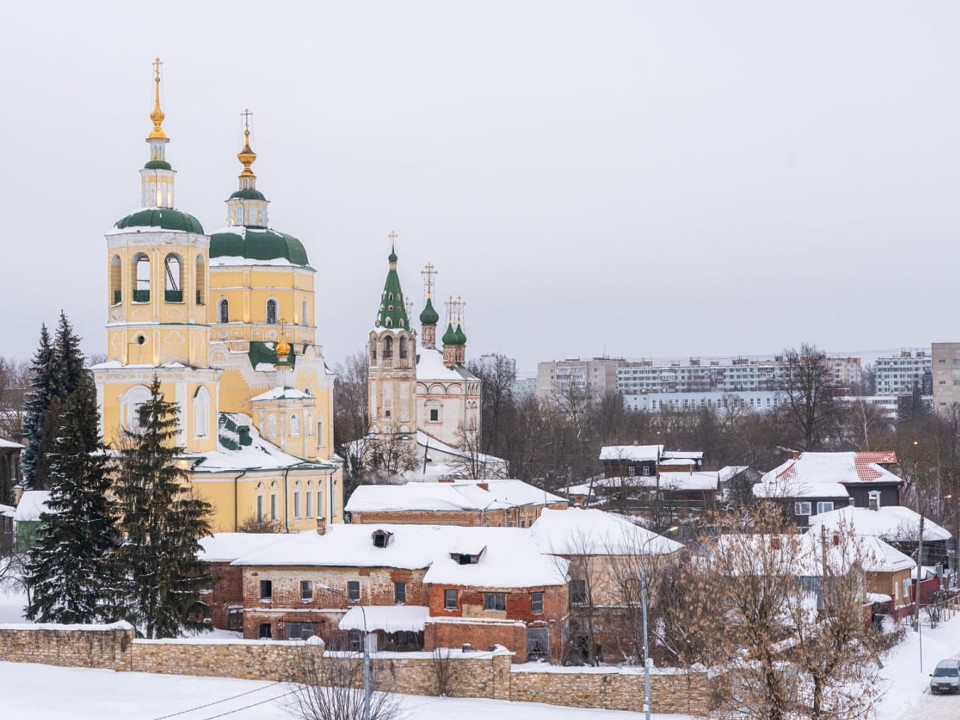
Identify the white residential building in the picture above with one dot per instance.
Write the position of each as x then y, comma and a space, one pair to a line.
899, 374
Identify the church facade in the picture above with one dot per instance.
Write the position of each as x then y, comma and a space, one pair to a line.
225, 321
420, 395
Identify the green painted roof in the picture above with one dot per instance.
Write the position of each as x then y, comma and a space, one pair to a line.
165, 218
460, 335
248, 194
258, 244
158, 165
261, 352
393, 311
449, 337
429, 316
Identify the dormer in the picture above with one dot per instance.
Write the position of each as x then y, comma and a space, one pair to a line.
381, 538
467, 557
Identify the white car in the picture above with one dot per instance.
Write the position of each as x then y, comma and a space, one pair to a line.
946, 678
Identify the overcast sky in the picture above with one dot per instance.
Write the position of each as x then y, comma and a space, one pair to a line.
630, 178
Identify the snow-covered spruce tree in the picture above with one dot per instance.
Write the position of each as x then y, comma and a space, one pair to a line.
42, 389
71, 569
162, 524
68, 361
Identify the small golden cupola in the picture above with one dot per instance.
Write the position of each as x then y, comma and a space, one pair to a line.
283, 347
247, 206
156, 177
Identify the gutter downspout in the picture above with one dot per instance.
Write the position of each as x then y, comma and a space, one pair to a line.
236, 501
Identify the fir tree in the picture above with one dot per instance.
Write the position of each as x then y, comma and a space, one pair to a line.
162, 524
71, 567
69, 372
42, 383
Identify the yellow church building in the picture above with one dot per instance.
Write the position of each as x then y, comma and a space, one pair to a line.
226, 322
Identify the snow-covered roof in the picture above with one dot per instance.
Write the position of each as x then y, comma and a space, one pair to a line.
388, 618
803, 555
834, 467
282, 393
681, 481
7, 511
631, 453
430, 367
233, 454
685, 462
793, 488
227, 547
510, 557
575, 531
682, 455
32, 503
893, 523
461, 495
424, 440
730, 471
9, 444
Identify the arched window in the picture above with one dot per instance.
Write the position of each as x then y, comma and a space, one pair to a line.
297, 504
201, 281
273, 500
238, 218
387, 347
271, 312
403, 348
130, 404
115, 279
308, 504
272, 426
141, 278
201, 413
373, 353
304, 319
223, 310
294, 426
173, 278
259, 502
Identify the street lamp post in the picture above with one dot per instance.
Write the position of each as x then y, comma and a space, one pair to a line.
646, 642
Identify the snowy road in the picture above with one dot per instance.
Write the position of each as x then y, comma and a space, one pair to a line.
934, 707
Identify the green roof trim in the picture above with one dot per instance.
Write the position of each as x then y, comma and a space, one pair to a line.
258, 244
158, 165
262, 352
393, 310
429, 316
165, 218
248, 194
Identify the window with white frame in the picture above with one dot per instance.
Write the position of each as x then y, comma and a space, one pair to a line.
801, 508
823, 507
201, 413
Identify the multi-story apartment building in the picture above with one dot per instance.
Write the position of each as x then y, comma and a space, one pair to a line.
597, 376
946, 375
899, 374
722, 402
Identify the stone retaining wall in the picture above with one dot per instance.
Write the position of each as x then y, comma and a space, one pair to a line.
476, 675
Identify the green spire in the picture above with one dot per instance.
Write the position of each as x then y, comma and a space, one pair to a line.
450, 336
429, 316
393, 311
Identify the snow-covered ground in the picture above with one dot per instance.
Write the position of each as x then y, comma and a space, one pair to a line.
41, 692
907, 693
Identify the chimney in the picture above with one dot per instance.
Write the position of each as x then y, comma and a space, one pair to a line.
321, 526
796, 454
775, 543
851, 502
836, 539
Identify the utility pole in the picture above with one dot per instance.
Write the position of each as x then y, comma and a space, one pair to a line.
916, 592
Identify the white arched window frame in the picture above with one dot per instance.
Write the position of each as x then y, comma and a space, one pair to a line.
201, 413
308, 503
173, 278
141, 278
294, 425
260, 489
223, 310
130, 403
297, 500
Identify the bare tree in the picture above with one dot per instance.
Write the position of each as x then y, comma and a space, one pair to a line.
350, 398
810, 409
330, 687
445, 670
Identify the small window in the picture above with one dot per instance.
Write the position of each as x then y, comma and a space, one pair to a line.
449, 599
259, 508
235, 619
399, 593
495, 601
536, 602
296, 504
309, 503
823, 507
578, 592
301, 631
353, 591
381, 538
306, 590
801, 508
271, 312
223, 310
273, 506
266, 631
266, 589
434, 415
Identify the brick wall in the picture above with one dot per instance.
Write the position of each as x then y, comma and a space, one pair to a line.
466, 518
227, 592
479, 674
482, 635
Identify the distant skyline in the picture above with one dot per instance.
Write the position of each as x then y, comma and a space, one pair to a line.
635, 179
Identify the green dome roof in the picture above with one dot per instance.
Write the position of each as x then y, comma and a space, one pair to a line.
258, 244
165, 218
248, 194
158, 165
461, 338
429, 316
449, 337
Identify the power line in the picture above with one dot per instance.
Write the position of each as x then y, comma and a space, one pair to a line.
247, 707
216, 702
